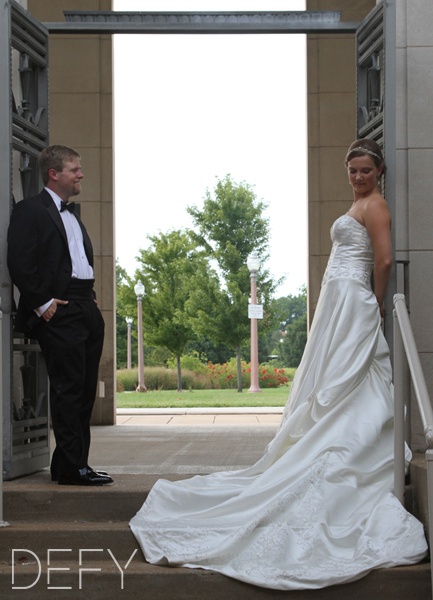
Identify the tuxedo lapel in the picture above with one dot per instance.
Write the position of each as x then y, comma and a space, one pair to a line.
54, 214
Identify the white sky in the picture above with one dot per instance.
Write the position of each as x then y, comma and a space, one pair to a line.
192, 107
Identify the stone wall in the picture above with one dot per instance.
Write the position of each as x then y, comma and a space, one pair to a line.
331, 128
331, 101
81, 101
414, 227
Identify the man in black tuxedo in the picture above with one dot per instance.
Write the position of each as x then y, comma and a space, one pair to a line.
50, 259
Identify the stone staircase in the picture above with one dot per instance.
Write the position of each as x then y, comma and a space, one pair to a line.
87, 532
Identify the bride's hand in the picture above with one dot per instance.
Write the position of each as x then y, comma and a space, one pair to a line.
382, 309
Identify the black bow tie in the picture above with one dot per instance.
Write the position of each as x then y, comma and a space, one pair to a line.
67, 206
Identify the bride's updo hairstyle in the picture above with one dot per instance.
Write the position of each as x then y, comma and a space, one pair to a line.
363, 147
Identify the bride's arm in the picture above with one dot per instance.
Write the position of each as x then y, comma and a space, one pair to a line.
378, 222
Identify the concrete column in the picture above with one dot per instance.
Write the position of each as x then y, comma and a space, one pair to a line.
81, 100
331, 101
415, 159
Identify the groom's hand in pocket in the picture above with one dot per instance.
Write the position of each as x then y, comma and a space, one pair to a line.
51, 310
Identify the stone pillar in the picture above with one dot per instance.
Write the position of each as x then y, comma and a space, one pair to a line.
331, 101
81, 112
414, 226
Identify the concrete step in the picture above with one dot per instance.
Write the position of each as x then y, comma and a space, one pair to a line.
141, 580
37, 498
44, 515
37, 537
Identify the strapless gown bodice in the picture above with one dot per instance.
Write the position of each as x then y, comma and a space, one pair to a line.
352, 254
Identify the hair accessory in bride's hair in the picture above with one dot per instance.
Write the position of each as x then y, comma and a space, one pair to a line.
364, 151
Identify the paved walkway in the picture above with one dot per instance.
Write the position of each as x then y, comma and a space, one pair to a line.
181, 449
243, 416
172, 442
183, 441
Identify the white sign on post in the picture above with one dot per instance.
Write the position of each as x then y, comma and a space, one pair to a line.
255, 311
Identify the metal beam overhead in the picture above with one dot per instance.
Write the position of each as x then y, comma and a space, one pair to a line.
110, 22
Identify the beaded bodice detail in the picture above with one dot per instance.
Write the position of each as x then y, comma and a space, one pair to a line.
352, 253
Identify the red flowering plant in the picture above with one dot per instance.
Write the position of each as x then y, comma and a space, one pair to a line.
272, 377
225, 376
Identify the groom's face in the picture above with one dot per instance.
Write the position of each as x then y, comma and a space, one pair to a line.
69, 179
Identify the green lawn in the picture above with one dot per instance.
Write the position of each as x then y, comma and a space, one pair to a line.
202, 398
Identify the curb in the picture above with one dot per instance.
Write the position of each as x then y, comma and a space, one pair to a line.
241, 410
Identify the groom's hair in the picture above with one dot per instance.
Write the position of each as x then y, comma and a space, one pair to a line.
54, 157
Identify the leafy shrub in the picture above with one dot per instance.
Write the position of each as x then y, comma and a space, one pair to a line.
225, 376
191, 361
290, 372
272, 377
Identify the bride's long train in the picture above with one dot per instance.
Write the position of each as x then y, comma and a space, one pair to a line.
318, 508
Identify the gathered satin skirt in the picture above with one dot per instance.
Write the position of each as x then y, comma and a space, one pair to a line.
318, 508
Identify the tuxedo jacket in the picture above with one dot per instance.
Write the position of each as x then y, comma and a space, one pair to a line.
38, 256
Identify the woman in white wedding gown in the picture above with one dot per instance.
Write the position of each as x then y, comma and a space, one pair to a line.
318, 508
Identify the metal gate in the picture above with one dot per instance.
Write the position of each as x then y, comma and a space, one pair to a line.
23, 134
376, 110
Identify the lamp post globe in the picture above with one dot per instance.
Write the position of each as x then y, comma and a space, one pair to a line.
253, 262
139, 289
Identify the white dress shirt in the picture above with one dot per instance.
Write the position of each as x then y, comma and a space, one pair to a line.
80, 265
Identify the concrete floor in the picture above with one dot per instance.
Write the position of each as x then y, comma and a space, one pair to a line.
177, 449
201, 441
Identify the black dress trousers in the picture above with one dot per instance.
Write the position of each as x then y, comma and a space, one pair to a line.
71, 343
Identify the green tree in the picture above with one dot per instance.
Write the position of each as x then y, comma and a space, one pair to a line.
263, 350
167, 269
121, 327
294, 342
229, 227
207, 349
287, 310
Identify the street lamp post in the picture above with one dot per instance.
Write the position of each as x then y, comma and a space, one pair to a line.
253, 264
139, 292
129, 359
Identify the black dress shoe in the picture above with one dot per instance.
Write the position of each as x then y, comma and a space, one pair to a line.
90, 470
55, 477
104, 474
88, 479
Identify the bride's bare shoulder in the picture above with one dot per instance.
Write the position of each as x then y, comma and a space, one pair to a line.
376, 213
376, 207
